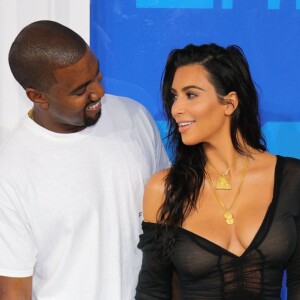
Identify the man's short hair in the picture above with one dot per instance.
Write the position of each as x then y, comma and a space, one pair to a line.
39, 49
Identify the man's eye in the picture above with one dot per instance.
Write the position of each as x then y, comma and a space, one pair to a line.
80, 93
99, 78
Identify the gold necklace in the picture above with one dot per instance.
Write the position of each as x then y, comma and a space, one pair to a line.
228, 214
30, 113
222, 182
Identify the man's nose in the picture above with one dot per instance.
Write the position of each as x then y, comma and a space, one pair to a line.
96, 90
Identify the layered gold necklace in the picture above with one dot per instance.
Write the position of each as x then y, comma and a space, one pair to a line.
227, 210
222, 181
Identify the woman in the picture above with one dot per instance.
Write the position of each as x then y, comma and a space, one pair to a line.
224, 219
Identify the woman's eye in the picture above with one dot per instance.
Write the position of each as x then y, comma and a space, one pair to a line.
190, 95
173, 97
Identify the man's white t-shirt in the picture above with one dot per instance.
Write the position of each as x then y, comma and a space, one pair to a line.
70, 204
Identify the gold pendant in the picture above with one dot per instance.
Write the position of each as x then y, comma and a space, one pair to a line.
223, 183
229, 221
228, 217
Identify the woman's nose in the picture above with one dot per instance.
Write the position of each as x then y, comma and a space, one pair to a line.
178, 107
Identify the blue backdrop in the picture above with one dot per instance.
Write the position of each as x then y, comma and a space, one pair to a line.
133, 37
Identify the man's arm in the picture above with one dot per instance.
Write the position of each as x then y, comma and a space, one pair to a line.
18, 249
15, 288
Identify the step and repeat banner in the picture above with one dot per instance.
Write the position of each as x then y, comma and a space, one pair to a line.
132, 39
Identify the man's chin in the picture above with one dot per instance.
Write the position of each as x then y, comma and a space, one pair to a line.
88, 121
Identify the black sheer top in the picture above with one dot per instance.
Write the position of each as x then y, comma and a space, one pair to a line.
207, 271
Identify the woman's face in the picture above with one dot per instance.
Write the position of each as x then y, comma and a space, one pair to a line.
197, 109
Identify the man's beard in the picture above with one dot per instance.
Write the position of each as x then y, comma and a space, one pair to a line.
92, 121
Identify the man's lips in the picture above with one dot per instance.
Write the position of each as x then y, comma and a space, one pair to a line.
95, 106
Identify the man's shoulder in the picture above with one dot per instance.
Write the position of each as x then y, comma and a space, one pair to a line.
121, 102
126, 110
121, 99
14, 141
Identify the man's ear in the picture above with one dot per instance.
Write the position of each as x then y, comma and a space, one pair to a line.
37, 97
231, 103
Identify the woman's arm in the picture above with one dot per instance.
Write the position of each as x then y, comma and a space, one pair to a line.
154, 196
293, 270
155, 278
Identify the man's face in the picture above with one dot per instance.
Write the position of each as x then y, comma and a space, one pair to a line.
74, 100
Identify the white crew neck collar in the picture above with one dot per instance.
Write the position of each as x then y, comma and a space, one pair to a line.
29, 123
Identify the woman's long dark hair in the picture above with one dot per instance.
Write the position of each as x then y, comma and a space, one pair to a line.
228, 71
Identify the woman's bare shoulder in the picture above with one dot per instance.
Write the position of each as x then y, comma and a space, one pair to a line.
264, 161
154, 195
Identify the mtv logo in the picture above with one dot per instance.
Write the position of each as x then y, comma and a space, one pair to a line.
202, 4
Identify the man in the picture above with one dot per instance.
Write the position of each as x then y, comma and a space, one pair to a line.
72, 175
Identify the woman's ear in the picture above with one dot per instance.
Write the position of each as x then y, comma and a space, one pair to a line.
37, 97
231, 103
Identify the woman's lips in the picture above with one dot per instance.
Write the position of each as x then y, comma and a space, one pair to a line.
184, 126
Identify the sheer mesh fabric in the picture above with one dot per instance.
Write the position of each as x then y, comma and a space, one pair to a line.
204, 270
